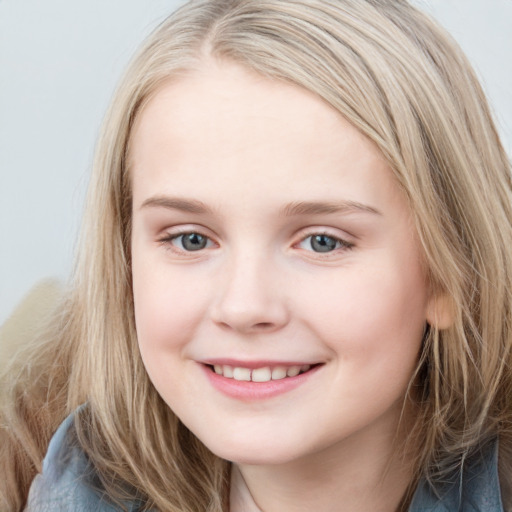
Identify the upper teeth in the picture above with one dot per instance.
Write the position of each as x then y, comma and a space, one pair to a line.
259, 374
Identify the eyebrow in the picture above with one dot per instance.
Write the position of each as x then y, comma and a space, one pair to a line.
320, 207
177, 203
290, 210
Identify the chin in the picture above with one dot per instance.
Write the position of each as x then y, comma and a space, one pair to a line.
255, 450
252, 457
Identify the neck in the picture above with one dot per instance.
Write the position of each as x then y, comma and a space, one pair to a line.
361, 474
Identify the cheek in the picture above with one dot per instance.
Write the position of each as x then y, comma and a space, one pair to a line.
168, 308
370, 312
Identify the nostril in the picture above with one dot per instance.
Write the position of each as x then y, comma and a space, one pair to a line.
259, 326
263, 325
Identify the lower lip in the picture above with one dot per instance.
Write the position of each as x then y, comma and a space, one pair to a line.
248, 390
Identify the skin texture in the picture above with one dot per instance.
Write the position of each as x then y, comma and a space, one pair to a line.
249, 149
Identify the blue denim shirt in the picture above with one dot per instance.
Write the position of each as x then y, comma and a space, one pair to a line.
62, 485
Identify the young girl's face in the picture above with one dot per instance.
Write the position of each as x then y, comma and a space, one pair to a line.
270, 238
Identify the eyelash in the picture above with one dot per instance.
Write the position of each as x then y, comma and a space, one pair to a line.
340, 244
171, 237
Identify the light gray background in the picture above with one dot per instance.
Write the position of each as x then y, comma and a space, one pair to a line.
59, 63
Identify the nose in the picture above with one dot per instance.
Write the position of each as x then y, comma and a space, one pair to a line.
251, 297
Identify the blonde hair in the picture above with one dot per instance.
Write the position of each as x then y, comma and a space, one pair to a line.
400, 79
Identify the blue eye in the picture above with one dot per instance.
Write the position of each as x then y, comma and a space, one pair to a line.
191, 241
323, 243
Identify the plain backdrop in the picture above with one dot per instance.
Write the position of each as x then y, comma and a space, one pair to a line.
59, 63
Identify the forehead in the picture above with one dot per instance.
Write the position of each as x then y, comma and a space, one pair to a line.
224, 122
221, 83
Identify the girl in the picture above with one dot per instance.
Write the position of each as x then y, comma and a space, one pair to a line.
293, 290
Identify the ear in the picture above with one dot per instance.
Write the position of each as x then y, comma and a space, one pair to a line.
440, 311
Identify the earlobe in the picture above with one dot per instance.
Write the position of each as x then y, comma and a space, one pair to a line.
440, 311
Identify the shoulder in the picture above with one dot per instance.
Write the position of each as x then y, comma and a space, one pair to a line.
505, 471
67, 480
474, 487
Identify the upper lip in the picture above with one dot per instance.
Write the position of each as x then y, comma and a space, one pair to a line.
254, 364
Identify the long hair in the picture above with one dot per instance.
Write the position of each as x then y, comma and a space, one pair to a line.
399, 79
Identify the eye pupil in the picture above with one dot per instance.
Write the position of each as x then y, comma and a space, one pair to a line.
193, 241
323, 243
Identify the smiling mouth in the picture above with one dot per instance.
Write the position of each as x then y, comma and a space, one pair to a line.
264, 374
